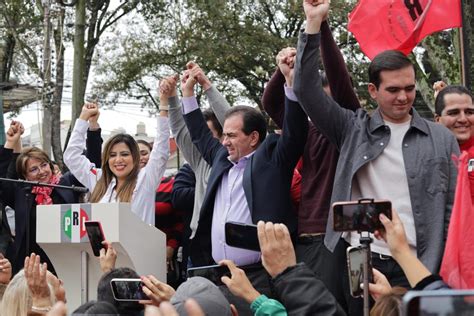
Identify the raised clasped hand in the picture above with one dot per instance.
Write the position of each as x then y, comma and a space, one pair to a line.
167, 86
286, 61
89, 110
188, 81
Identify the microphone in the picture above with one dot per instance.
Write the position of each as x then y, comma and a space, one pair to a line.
74, 188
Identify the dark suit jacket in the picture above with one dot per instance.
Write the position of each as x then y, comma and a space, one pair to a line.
267, 177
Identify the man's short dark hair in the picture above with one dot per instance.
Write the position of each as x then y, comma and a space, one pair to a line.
387, 60
451, 89
253, 120
96, 308
104, 290
210, 116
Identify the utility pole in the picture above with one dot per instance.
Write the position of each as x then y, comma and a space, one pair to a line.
46, 94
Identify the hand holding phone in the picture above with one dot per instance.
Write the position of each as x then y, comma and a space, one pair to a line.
242, 235
355, 268
213, 273
239, 284
108, 257
156, 290
394, 235
362, 216
96, 236
129, 290
278, 252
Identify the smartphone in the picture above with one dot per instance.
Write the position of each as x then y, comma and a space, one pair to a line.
242, 235
128, 289
96, 236
439, 302
212, 273
355, 268
362, 216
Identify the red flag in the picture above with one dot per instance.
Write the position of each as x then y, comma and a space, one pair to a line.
457, 268
380, 25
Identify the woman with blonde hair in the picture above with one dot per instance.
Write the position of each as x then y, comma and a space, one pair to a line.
120, 178
33, 289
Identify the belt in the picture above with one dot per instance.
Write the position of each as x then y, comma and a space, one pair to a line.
380, 256
305, 238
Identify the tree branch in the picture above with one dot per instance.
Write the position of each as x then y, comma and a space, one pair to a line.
141, 85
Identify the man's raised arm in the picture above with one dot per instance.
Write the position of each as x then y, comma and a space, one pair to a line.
200, 133
324, 112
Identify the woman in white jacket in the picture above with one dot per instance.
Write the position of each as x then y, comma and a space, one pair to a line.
120, 178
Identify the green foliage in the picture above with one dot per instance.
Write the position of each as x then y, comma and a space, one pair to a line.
22, 21
236, 41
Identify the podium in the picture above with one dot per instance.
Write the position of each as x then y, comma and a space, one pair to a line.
60, 231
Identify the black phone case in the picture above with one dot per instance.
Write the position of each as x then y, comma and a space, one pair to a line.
212, 273
242, 235
96, 247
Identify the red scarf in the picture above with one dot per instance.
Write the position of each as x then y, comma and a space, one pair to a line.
43, 194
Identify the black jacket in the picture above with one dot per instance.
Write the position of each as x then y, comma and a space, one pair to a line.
302, 293
14, 196
266, 180
184, 186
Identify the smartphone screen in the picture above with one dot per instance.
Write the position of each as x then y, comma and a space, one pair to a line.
96, 236
212, 273
440, 302
363, 217
128, 289
355, 268
242, 235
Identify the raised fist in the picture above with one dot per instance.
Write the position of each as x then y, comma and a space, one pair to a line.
316, 9
438, 86
15, 130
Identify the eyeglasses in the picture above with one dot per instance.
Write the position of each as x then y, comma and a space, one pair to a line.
36, 169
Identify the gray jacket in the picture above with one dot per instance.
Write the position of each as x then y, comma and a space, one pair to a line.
192, 155
427, 152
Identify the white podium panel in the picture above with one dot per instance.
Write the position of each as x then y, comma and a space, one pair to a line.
61, 233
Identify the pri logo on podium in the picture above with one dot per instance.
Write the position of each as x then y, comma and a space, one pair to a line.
73, 217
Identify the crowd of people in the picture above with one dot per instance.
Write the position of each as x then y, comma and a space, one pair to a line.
282, 182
